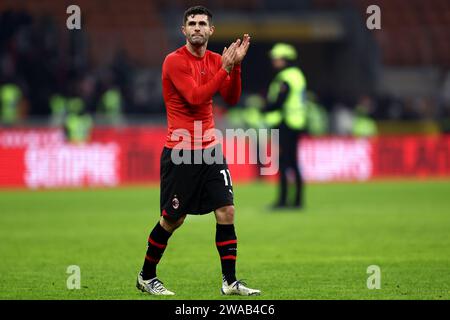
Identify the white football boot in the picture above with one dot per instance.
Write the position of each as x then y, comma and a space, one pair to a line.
153, 286
238, 288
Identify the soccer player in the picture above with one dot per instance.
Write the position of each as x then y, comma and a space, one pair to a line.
191, 75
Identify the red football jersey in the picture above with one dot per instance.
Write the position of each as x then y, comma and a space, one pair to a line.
189, 84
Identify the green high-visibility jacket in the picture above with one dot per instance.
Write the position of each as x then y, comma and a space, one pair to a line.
78, 127
364, 126
57, 105
10, 96
293, 111
317, 116
111, 102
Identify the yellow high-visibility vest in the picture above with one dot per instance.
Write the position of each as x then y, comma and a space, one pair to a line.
293, 111
10, 95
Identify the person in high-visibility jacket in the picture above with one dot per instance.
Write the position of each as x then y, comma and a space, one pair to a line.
78, 123
58, 109
110, 106
286, 111
248, 115
253, 118
10, 98
317, 116
364, 125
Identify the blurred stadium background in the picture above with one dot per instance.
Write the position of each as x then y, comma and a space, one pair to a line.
83, 108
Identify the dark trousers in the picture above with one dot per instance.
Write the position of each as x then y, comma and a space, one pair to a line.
289, 161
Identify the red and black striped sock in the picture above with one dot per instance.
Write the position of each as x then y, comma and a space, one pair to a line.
157, 243
226, 243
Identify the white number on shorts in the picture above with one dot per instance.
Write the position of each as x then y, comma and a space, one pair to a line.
226, 176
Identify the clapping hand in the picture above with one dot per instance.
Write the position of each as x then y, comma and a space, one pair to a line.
241, 48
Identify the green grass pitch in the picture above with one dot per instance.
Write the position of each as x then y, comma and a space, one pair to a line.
322, 253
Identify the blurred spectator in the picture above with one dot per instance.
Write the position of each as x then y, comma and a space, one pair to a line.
110, 104
12, 103
249, 116
58, 109
78, 122
317, 116
342, 119
363, 123
252, 113
81, 96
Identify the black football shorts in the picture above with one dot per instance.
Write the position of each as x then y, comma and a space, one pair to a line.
194, 188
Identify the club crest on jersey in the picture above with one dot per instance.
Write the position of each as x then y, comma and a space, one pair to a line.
175, 202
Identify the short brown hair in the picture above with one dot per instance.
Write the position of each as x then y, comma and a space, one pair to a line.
197, 10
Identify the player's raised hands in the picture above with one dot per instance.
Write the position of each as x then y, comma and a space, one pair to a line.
241, 49
229, 56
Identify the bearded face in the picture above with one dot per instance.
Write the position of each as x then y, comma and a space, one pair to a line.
197, 30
